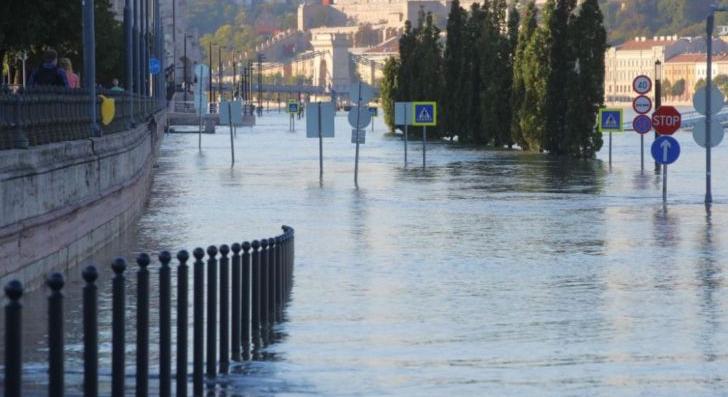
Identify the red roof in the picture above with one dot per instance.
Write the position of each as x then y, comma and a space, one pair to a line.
634, 45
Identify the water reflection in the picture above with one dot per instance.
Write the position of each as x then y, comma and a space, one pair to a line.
487, 273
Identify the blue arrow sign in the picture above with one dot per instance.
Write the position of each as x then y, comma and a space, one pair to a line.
665, 150
155, 66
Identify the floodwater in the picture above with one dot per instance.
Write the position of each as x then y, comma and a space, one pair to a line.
487, 273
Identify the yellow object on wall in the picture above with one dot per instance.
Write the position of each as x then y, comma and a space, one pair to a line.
108, 110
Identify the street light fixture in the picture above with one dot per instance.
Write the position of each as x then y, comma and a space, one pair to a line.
709, 24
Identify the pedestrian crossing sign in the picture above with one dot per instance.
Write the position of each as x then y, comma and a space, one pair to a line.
424, 113
293, 106
611, 120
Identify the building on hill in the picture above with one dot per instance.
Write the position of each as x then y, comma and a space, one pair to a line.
636, 57
682, 73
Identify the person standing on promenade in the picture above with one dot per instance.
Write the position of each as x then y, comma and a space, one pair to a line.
48, 73
73, 80
115, 86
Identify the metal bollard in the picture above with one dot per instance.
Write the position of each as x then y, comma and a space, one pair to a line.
280, 273
271, 281
90, 333
55, 335
13, 339
142, 326
198, 351
255, 300
118, 332
224, 309
181, 376
211, 319
265, 270
245, 303
165, 325
235, 318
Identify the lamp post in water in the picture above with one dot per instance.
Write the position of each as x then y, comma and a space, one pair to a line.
658, 99
709, 24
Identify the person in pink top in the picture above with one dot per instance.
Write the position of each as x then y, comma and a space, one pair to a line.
73, 80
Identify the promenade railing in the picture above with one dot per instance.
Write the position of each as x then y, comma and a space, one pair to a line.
40, 115
248, 284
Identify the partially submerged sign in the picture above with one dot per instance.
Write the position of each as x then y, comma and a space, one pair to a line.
403, 113
327, 111
424, 113
610, 120
231, 112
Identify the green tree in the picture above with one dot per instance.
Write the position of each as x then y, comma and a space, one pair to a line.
561, 60
698, 85
679, 88
721, 81
453, 99
473, 29
521, 109
586, 82
389, 91
534, 67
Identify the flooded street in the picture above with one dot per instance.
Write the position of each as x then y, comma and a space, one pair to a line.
487, 273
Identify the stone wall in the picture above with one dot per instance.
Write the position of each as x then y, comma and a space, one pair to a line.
62, 202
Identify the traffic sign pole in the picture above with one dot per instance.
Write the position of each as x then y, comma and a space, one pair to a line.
406, 124
664, 183
321, 145
709, 77
610, 149
642, 153
424, 146
356, 158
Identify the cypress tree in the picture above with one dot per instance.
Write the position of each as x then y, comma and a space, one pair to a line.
561, 61
453, 98
508, 87
528, 26
586, 85
389, 91
534, 67
405, 76
474, 28
502, 80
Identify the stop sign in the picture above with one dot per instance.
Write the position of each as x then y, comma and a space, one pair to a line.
666, 120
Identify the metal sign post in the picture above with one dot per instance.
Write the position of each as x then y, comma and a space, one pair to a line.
356, 159
230, 122
424, 114
321, 143
665, 150
405, 136
610, 120
708, 115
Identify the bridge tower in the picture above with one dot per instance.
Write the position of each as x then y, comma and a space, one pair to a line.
332, 62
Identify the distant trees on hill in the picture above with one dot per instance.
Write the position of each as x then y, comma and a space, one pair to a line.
528, 80
626, 19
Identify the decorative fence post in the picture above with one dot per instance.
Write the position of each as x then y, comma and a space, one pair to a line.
117, 329
142, 323
55, 335
165, 325
224, 309
90, 334
211, 319
264, 271
255, 272
13, 339
271, 282
235, 318
245, 302
198, 359
181, 377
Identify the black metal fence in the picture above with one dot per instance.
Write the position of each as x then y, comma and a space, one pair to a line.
40, 115
249, 303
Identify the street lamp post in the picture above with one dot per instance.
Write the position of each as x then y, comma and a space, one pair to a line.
89, 61
658, 99
184, 68
709, 24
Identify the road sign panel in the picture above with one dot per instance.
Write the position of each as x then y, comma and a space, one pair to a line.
716, 133
610, 120
424, 113
374, 111
328, 112
293, 107
362, 92
642, 124
642, 104
717, 101
665, 150
155, 66
402, 113
362, 135
231, 112
642, 84
666, 120
363, 118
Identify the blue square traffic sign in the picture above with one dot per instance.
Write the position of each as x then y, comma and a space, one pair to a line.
610, 120
293, 107
424, 113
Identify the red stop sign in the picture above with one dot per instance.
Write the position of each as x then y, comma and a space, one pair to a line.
666, 120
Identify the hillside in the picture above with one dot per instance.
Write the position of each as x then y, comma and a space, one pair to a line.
626, 19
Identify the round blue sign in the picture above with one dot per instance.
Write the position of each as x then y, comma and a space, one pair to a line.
642, 124
155, 66
665, 149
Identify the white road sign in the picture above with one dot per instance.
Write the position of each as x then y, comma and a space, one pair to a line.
362, 92
716, 133
403, 113
235, 113
642, 104
362, 136
328, 111
716, 99
642, 84
363, 118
